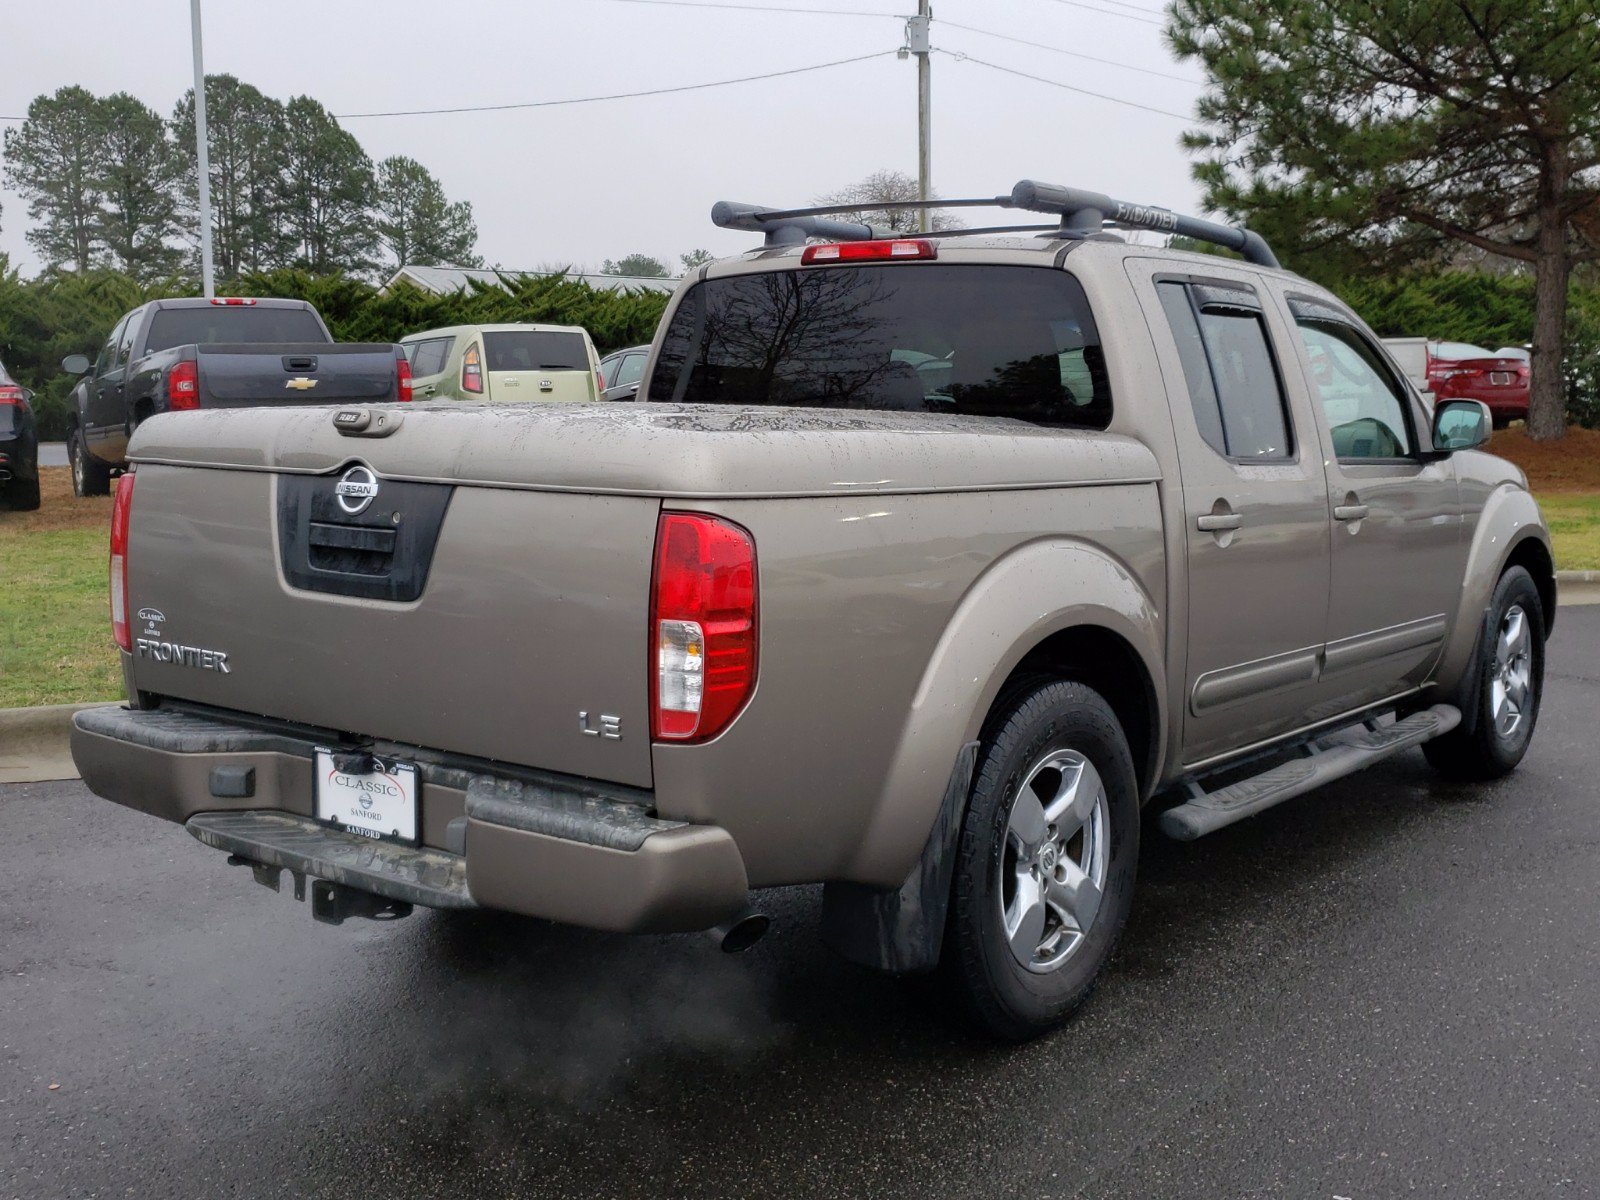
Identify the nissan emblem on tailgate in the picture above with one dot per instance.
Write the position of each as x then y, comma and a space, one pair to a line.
357, 488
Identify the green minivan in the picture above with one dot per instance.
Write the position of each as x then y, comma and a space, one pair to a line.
504, 364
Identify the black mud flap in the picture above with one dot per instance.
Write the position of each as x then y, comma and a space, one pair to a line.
901, 931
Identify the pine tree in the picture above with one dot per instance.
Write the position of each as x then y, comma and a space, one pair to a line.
416, 222
326, 183
138, 182
1392, 128
244, 139
53, 160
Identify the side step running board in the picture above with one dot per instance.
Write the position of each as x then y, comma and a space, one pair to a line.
1208, 812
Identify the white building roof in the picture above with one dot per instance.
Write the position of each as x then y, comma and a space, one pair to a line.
454, 279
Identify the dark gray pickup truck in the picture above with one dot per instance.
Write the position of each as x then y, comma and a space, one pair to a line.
224, 352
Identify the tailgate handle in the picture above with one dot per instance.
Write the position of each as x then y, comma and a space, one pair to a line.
299, 362
351, 537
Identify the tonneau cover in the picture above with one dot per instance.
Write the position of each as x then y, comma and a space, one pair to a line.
657, 449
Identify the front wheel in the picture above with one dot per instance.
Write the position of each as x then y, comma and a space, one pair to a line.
1510, 683
89, 476
1045, 862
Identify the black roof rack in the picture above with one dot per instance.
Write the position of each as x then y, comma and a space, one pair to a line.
1082, 214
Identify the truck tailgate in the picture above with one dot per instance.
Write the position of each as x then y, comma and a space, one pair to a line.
235, 375
464, 618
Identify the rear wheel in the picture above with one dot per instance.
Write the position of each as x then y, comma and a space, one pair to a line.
89, 476
1045, 865
1510, 682
23, 494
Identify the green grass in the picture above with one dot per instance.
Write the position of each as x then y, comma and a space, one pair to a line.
55, 630
55, 625
1574, 520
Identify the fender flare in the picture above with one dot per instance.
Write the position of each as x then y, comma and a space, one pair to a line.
1510, 519
917, 822
1003, 616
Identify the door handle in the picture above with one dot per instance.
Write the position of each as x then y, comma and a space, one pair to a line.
1218, 522
1349, 512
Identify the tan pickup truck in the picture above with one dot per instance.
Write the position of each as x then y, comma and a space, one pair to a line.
919, 567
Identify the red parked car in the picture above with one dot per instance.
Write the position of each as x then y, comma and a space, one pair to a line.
1457, 370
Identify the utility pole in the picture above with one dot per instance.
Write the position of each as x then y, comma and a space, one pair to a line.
207, 275
918, 42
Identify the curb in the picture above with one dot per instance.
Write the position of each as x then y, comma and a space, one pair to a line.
1577, 577
34, 742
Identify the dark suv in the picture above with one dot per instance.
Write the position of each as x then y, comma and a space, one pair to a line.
19, 445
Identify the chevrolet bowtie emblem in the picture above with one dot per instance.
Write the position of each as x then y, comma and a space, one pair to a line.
300, 383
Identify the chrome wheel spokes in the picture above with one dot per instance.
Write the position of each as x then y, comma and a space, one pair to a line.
1511, 676
1056, 852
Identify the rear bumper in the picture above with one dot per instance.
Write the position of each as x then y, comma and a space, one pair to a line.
557, 847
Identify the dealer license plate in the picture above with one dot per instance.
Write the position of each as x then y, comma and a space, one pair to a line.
380, 803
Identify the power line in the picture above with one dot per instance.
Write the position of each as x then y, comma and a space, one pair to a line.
1110, 62
826, 12
1160, 12
1068, 87
1111, 12
688, 87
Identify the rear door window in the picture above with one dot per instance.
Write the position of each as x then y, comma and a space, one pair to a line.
108, 352
630, 371
979, 340
428, 357
535, 350
1228, 364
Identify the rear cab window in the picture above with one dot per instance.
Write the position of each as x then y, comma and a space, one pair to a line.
221, 324
981, 340
1228, 364
535, 350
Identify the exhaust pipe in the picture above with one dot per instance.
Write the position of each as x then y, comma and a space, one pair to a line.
741, 931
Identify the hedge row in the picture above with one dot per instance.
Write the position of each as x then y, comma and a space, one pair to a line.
1490, 311
44, 320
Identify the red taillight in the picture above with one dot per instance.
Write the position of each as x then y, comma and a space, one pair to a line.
402, 378
233, 300
183, 386
702, 626
121, 508
471, 371
835, 252
11, 396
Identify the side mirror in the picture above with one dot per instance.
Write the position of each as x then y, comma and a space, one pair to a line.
76, 364
1461, 425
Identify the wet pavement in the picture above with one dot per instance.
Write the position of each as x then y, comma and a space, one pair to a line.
1389, 987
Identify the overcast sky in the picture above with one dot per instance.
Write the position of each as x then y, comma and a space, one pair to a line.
581, 183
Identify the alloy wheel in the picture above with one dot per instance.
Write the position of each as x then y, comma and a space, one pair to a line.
1056, 854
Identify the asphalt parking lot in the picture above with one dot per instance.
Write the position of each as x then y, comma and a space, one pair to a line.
1390, 987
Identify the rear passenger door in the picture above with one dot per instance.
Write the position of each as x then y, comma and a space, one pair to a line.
107, 419
428, 359
1255, 511
1398, 540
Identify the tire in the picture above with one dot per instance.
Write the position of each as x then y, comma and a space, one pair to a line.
1037, 745
1508, 675
23, 494
90, 477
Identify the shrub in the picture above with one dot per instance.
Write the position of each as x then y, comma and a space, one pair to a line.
60, 313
